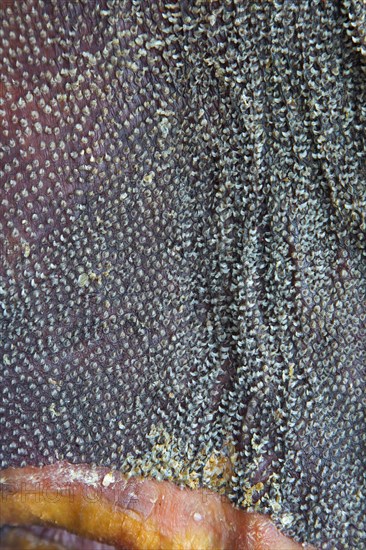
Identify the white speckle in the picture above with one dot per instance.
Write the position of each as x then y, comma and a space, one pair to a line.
108, 479
287, 520
197, 517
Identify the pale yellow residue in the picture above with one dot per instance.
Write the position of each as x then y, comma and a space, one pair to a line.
249, 492
26, 250
275, 501
148, 178
83, 279
53, 410
91, 277
172, 459
219, 468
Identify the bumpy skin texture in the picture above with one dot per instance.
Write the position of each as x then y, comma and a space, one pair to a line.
182, 226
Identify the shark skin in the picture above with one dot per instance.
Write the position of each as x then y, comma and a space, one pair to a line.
182, 276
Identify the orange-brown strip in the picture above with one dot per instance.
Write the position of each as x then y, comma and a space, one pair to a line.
132, 513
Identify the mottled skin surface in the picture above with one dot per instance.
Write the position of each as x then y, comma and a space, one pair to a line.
183, 248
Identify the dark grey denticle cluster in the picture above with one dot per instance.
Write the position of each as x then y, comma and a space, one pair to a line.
182, 221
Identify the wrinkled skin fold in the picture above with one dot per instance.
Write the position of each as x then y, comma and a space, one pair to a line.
182, 218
